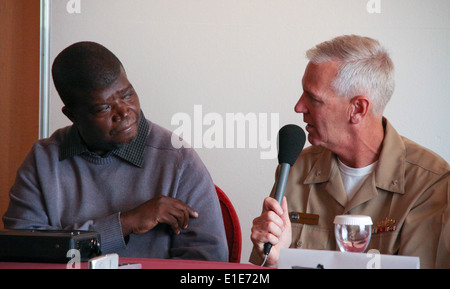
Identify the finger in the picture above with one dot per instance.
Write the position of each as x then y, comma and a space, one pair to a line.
270, 204
185, 218
191, 212
179, 216
285, 215
183, 206
184, 213
172, 221
268, 217
263, 230
276, 219
260, 238
269, 228
275, 229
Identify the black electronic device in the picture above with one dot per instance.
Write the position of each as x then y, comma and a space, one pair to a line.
48, 246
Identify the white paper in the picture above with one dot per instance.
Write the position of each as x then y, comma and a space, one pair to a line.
312, 259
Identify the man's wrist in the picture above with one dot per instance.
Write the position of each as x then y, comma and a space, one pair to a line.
125, 225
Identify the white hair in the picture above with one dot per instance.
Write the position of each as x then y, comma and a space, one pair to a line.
365, 68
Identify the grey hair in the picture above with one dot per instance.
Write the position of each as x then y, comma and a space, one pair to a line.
364, 68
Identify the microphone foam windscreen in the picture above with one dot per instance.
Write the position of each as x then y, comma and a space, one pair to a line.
291, 140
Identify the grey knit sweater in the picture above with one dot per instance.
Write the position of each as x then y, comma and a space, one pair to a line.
88, 192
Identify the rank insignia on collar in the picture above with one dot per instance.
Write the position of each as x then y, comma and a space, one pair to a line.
386, 225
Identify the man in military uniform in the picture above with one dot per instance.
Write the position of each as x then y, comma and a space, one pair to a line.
357, 164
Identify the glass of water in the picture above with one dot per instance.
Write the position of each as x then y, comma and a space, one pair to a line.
352, 232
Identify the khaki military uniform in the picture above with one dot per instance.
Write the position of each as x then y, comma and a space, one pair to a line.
407, 196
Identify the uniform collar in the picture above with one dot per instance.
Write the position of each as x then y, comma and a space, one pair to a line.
132, 152
390, 170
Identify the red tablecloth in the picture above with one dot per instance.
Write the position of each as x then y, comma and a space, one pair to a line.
146, 264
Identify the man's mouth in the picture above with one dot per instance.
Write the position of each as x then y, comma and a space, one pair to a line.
124, 129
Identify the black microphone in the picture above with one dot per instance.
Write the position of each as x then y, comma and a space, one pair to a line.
291, 140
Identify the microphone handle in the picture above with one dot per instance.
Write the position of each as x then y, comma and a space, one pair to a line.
279, 193
281, 183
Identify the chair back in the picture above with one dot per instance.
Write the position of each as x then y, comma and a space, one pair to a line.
232, 227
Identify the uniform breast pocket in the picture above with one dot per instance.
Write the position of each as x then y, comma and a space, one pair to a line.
312, 237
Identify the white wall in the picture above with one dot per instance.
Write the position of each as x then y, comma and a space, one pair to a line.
247, 56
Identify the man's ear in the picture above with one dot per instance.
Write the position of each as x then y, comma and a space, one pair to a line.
69, 113
359, 106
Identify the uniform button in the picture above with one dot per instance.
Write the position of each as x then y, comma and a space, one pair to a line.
299, 244
395, 182
319, 173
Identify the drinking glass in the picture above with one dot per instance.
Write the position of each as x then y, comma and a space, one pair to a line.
352, 232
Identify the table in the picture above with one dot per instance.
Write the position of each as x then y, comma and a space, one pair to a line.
146, 264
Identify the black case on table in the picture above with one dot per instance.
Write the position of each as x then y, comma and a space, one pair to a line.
47, 246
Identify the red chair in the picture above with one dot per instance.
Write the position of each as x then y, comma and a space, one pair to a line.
232, 227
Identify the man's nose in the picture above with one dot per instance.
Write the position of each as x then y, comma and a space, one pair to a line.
121, 112
300, 107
